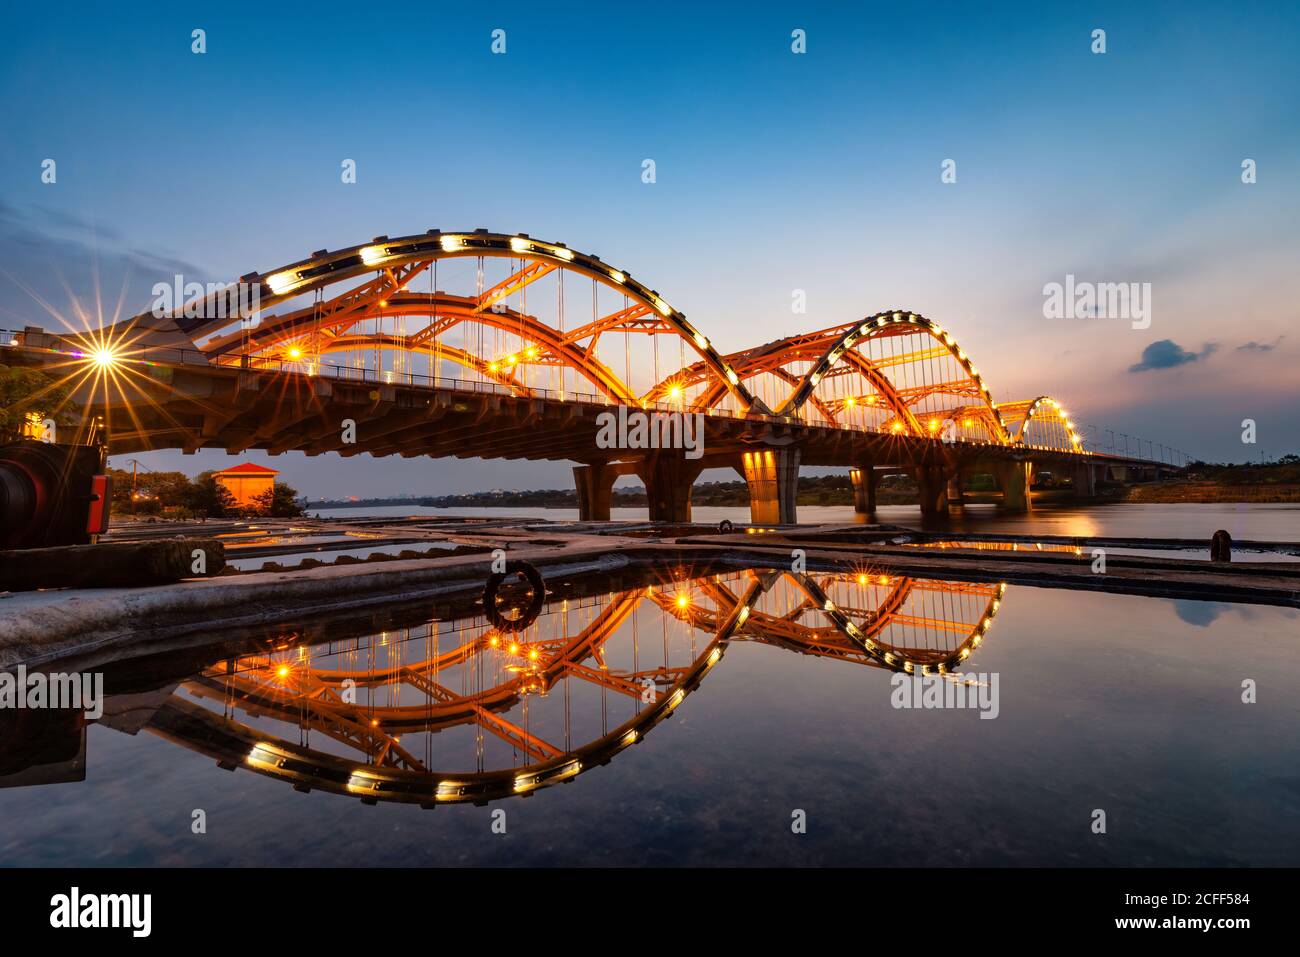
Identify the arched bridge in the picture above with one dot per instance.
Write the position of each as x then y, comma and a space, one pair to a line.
366, 350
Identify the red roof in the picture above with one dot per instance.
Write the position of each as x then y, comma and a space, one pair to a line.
248, 468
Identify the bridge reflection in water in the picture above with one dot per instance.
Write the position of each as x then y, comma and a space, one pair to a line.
459, 711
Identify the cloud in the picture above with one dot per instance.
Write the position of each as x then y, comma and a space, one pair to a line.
1254, 346
59, 270
1167, 354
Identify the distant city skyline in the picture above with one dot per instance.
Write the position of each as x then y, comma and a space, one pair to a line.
775, 172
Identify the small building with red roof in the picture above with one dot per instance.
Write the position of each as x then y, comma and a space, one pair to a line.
246, 481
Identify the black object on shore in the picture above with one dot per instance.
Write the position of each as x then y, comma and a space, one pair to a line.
1221, 547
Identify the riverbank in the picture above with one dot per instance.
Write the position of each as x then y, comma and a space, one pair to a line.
1178, 491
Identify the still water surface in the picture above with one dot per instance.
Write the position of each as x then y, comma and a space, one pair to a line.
1256, 522
1130, 705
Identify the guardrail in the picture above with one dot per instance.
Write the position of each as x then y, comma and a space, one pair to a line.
172, 356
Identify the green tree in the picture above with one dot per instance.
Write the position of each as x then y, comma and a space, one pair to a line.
279, 501
24, 390
208, 498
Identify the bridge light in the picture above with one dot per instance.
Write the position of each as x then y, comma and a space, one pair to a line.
675, 391
934, 425
451, 244
617, 276
663, 307
511, 360
862, 579
732, 377
701, 341
282, 282
374, 255
532, 352
493, 367
520, 245
683, 600
851, 402
871, 400
562, 253
104, 357
295, 353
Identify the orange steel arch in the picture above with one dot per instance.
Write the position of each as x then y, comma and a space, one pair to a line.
829, 347
397, 261
897, 384
1044, 409
303, 332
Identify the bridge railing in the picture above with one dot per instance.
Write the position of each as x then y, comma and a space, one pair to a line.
42, 341
39, 340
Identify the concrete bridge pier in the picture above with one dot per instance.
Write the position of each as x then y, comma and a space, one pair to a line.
773, 479
864, 482
595, 487
956, 495
932, 487
668, 477
1085, 481
1013, 479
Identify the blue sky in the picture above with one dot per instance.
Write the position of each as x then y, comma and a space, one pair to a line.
775, 171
